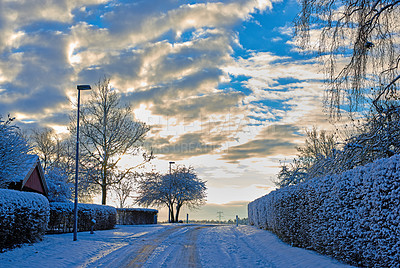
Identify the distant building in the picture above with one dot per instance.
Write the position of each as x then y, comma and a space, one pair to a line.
31, 178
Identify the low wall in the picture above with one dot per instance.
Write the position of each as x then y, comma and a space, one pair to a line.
133, 216
353, 217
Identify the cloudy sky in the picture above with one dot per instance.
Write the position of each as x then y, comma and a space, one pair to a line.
220, 82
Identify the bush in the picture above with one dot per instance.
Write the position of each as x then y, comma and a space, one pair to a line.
353, 216
132, 216
62, 217
23, 217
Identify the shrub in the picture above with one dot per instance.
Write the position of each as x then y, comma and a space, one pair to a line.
131, 216
353, 216
23, 217
62, 217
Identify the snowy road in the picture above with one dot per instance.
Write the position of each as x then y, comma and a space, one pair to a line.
166, 246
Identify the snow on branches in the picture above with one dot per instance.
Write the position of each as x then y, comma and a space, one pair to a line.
181, 187
358, 44
14, 151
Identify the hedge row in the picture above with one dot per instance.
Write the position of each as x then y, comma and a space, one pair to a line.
23, 217
353, 217
132, 216
62, 217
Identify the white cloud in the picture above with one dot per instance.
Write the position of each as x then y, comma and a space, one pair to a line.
173, 63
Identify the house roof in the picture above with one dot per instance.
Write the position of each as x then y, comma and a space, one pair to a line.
28, 168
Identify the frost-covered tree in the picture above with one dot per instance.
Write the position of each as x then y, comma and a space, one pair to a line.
291, 173
14, 150
189, 189
319, 145
108, 132
58, 184
376, 137
151, 190
359, 45
181, 187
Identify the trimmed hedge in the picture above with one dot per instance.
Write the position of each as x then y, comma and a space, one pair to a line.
62, 217
132, 216
353, 217
23, 217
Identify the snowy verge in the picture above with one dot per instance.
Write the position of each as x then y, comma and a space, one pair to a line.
62, 217
353, 216
23, 217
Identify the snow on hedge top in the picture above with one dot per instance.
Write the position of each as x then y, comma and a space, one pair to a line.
69, 206
11, 199
138, 209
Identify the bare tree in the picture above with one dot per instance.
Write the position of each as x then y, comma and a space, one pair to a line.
175, 190
55, 159
358, 41
86, 188
108, 132
318, 146
47, 145
124, 187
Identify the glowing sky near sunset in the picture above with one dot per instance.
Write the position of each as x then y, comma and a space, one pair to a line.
221, 83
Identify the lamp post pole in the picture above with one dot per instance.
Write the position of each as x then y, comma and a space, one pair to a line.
79, 88
170, 173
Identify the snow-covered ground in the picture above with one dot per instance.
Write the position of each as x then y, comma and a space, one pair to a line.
165, 245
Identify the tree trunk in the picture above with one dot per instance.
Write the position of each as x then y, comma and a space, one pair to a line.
178, 208
103, 194
104, 185
172, 213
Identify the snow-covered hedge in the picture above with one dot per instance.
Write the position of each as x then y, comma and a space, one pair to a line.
23, 217
62, 217
131, 216
353, 216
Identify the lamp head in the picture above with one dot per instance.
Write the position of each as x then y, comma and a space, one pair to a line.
83, 87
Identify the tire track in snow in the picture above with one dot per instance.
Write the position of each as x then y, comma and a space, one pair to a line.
138, 247
189, 255
224, 246
177, 250
150, 245
211, 246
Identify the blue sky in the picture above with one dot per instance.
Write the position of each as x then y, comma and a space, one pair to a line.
220, 82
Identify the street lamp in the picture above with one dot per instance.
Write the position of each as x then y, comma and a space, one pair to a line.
169, 208
170, 163
79, 88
